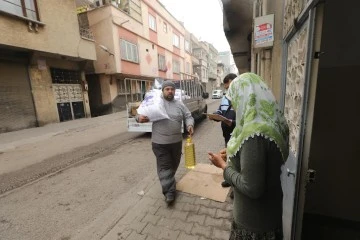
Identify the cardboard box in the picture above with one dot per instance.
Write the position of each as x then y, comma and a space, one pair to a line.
133, 108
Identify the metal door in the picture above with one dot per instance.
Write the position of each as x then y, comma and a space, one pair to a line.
78, 109
298, 48
64, 110
16, 103
69, 99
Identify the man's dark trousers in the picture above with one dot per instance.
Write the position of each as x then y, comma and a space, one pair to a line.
168, 158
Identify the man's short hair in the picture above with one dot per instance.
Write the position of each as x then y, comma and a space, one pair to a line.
230, 76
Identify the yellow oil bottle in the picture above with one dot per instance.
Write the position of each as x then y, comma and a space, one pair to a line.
189, 150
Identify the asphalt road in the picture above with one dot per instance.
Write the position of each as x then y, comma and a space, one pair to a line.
57, 197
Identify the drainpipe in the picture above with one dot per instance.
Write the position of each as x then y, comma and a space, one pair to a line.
267, 67
264, 7
262, 63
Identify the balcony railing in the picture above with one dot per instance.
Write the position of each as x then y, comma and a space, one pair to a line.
86, 33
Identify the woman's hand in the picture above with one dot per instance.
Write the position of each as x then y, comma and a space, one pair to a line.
217, 159
223, 154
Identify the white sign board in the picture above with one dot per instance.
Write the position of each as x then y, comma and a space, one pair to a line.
264, 31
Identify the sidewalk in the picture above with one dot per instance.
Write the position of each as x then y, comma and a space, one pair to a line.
190, 218
54, 139
11, 140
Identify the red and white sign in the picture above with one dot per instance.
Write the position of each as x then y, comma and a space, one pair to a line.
264, 31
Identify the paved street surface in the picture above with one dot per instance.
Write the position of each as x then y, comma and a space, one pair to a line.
91, 179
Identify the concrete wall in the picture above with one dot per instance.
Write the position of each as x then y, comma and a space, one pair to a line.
168, 58
276, 53
59, 34
44, 99
109, 88
148, 58
105, 88
100, 22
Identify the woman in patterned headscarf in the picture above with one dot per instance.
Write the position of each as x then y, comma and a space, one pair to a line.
255, 152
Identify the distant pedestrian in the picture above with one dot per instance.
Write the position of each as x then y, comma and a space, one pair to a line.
226, 110
167, 139
259, 145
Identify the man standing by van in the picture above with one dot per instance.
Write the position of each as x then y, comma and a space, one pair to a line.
226, 110
167, 139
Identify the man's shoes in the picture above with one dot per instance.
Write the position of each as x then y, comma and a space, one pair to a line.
170, 199
225, 184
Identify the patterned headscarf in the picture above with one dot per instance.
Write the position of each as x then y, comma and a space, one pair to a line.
257, 113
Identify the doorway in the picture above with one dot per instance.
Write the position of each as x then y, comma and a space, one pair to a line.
331, 208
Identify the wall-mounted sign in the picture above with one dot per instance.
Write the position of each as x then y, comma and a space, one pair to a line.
264, 31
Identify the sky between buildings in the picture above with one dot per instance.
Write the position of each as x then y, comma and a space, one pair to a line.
203, 18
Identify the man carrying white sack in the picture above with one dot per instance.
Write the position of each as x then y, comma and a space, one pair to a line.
167, 139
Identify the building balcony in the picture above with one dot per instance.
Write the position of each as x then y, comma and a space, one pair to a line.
212, 76
195, 60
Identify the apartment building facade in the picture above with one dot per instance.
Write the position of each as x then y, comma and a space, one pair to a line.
206, 58
138, 42
42, 64
214, 78
306, 51
224, 59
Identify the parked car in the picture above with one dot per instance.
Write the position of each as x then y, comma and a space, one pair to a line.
217, 94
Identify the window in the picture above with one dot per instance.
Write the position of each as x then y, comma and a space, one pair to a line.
152, 22
176, 40
162, 63
22, 8
176, 66
99, 3
187, 46
63, 76
124, 86
129, 51
165, 27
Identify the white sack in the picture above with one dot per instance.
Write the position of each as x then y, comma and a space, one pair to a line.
153, 106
